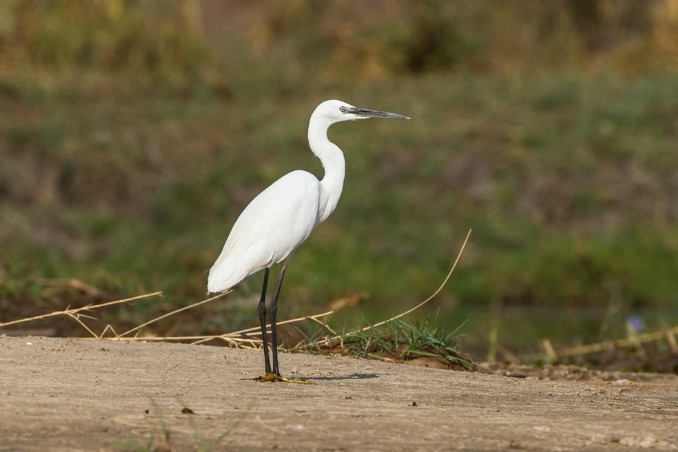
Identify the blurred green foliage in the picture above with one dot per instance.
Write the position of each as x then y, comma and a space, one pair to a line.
133, 133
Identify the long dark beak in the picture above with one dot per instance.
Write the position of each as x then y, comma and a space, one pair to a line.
364, 112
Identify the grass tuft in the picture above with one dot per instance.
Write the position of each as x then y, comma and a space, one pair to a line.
401, 341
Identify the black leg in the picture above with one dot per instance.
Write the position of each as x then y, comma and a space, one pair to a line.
262, 320
274, 311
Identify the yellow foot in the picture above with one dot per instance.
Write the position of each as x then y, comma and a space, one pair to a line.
273, 378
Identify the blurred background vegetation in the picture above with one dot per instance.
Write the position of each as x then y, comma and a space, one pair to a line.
132, 134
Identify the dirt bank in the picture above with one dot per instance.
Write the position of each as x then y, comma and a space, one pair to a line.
70, 394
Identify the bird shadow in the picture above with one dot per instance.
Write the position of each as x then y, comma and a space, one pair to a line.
354, 376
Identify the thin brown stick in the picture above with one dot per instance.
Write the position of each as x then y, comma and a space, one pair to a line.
622, 343
185, 308
158, 338
247, 344
70, 311
256, 331
548, 348
409, 311
183, 339
107, 328
76, 317
323, 324
227, 336
235, 338
671, 339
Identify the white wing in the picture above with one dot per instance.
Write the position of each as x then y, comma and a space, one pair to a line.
270, 228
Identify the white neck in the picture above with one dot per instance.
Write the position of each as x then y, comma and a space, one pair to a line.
333, 163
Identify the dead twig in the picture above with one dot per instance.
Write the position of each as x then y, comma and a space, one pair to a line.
633, 341
70, 312
185, 308
326, 341
76, 317
241, 336
247, 338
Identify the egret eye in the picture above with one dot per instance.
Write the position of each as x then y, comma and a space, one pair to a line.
342, 109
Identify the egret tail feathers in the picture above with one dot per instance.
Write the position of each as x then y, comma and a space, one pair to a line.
224, 275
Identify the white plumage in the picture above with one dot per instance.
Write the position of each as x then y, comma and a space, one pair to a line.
290, 212
281, 217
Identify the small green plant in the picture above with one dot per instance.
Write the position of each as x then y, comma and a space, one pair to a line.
161, 441
401, 341
204, 444
153, 443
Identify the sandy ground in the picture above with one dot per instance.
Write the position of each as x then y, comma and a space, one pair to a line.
78, 394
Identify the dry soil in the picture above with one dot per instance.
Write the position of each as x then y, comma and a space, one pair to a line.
79, 394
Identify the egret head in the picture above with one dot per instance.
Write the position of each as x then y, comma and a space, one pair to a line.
336, 111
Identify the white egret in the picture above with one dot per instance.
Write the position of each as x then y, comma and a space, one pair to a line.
281, 217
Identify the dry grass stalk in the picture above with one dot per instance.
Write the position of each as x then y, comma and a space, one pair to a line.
633, 341
256, 331
550, 351
238, 339
76, 317
339, 337
73, 313
185, 308
671, 339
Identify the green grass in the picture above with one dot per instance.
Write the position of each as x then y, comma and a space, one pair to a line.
127, 155
566, 182
401, 341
